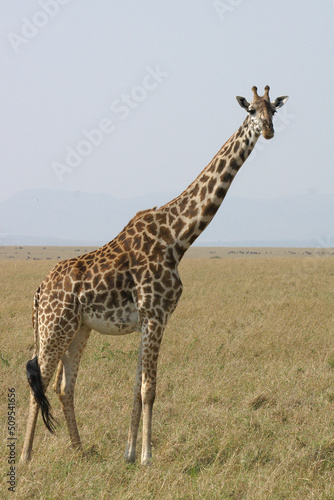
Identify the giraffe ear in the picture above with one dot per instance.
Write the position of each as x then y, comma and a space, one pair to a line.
280, 101
243, 103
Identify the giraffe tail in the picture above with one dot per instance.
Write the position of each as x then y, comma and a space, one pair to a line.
34, 374
35, 382
35, 320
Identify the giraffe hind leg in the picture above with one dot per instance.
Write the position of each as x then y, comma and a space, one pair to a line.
58, 378
40, 371
38, 385
30, 430
65, 381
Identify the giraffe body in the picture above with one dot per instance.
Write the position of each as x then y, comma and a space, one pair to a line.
130, 284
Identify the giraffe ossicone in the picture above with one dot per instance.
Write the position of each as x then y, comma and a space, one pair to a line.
130, 284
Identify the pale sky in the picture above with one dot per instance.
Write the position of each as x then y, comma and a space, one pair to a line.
137, 97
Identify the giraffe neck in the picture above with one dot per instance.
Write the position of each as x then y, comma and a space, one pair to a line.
193, 210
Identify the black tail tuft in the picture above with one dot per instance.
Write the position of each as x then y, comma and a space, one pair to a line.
35, 382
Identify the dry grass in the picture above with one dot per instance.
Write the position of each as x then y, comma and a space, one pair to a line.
245, 396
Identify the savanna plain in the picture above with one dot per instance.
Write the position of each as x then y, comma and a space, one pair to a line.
245, 395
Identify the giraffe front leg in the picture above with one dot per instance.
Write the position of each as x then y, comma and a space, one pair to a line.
152, 336
130, 451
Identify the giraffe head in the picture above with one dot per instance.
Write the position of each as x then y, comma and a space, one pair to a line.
261, 111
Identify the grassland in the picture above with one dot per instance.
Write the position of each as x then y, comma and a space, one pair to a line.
245, 399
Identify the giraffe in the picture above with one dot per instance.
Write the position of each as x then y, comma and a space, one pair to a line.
130, 284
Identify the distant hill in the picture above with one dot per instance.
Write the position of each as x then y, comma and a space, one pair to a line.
50, 217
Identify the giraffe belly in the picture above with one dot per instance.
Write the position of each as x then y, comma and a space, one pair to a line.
116, 322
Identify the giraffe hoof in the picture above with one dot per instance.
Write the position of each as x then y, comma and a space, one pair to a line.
130, 454
25, 459
146, 461
129, 458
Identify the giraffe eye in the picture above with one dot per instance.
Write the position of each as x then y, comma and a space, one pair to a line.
251, 111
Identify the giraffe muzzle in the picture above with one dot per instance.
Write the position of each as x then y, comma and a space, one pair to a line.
268, 130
